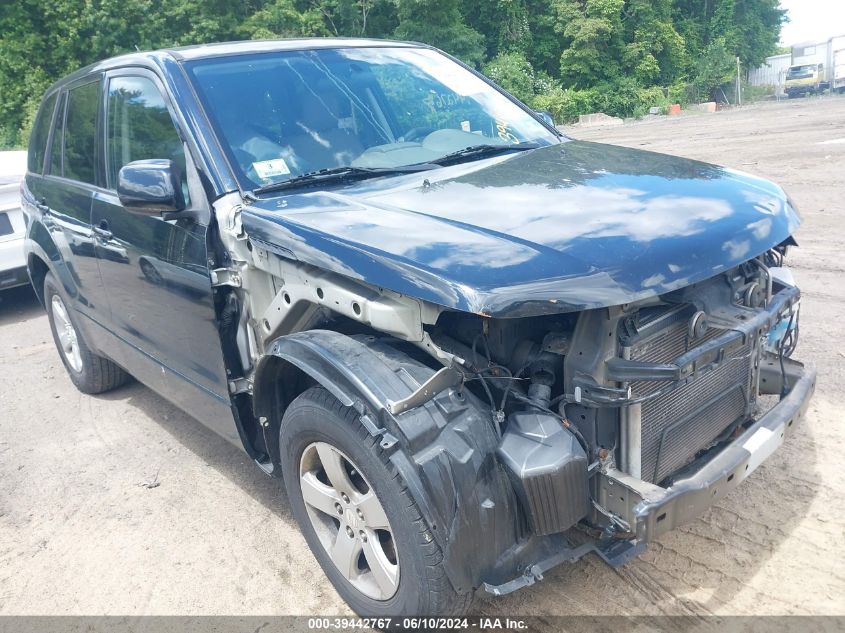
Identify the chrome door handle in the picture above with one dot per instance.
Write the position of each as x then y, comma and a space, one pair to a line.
102, 230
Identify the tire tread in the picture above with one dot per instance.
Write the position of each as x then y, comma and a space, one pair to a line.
98, 374
442, 599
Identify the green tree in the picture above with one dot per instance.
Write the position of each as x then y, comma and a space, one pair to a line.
758, 24
441, 24
37, 45
503, 23
513, 72
750, 28
592, 34
40, 42
616, 55
281, 18
546, 43
654, 50
357, 18
714, 67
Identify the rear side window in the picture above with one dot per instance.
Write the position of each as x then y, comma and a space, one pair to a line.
40, 132
58, 136
140, 126
80, 144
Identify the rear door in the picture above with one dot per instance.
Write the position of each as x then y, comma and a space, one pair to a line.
155, 270
72, 174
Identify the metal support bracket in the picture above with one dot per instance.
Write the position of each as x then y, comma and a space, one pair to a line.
226, 277
614, 552
387, 440
240, 385
440, 381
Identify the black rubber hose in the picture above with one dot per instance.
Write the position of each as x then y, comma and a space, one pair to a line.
784, 386
229, 313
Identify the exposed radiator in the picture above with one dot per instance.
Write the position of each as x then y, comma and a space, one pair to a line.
677, 425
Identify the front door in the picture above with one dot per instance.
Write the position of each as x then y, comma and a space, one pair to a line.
159, 292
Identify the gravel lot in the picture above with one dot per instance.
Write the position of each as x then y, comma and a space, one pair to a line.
81, 534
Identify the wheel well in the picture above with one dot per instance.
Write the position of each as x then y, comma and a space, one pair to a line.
277, 383
38, 270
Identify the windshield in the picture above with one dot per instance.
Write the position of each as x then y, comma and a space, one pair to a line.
798, 72
283, 114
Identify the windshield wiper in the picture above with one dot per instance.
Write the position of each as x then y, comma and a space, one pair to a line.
349, 173
481, 151
339, 174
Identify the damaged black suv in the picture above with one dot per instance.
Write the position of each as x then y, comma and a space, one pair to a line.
471, 347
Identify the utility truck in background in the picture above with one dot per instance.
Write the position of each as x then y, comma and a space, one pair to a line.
805, 79
816, 67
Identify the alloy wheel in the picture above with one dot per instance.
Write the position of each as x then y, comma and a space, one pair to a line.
349, 520
68, 338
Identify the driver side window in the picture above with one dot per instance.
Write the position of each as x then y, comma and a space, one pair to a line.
140, 127
419, 102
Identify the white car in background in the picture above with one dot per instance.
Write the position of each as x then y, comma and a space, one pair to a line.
12, 224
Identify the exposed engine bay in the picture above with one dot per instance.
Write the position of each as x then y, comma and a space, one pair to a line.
633, 396
578, 394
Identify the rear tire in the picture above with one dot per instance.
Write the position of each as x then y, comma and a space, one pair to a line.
316, 428
88, 372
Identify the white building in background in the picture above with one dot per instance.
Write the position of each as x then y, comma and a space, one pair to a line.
773, 71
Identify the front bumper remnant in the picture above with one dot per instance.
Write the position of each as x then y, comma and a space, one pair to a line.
686, 498
651, 510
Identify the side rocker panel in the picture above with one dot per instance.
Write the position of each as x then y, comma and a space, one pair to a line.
445, 450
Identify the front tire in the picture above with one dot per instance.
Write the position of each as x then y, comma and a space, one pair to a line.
149, 271
358, 516
88, 372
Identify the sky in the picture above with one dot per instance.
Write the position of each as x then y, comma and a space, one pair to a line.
812, 20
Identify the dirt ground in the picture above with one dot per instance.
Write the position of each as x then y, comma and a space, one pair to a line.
80, 533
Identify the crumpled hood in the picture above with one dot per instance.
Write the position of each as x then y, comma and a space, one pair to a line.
568, 227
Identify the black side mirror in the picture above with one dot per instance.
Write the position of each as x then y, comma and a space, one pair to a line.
546, 116
150, 187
